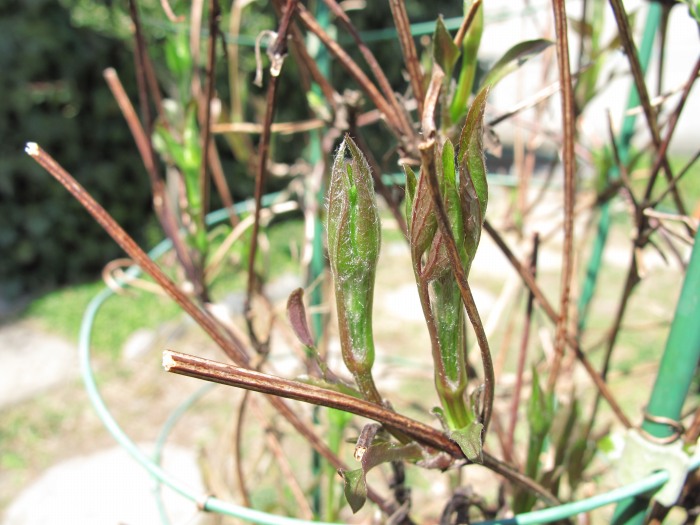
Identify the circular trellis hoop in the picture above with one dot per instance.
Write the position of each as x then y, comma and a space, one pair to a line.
210, 503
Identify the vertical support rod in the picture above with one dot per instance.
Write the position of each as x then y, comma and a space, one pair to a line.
651, 27
676, 371
317, 256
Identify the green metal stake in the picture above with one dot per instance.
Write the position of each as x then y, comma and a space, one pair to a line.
623, 145
676, 372
317, 257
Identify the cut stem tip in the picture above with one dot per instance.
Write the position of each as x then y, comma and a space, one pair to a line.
32, 148
168, 361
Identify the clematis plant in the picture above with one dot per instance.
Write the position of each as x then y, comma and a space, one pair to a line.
354, 237
462, 179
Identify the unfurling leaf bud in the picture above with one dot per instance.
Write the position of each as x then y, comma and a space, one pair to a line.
354, 237
461, 180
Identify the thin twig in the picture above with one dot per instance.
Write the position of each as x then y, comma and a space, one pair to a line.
168, 10
161, 202
277, 52
282, 462
232, 346
205, 107
676, 180
408, 47
548, 309
210, 156
225, 374
302, 57
238, 448
374, 66
142, 143
466, 23
427, 151
283, 128
515, 402
627, 41
669, 134
351, 67
569, 127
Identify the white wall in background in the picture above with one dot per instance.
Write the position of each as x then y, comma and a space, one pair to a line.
682, 50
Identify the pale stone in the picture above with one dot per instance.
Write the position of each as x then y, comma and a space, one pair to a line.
107, 487
32, 362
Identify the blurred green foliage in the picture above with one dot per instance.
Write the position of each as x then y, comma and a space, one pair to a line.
52, 55
53, 93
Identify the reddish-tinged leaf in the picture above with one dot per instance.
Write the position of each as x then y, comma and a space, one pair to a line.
296, 313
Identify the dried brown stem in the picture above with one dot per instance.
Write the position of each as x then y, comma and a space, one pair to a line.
283, 128
466, 23
282, 462
548, 309
232, 346
351, 67
669, 134
210, 157
145, 79
515, 403
277, 52
161, 203
205, 108
408, 48
192, 366
168, 10
569, 127
238, 449
137, 131
630, 49
374, 66
139, 54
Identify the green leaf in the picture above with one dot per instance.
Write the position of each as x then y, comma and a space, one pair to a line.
540, 409
470, 49
445, 52
381, 451
439, 413
179, 61
423, 221
355, 489
378, 452
448, 175
471, 148
410, 193
470, 441
515, 57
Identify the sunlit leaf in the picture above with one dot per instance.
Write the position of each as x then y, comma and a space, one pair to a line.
471, 147
355, 489
515, 57
470, 441
445, 52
